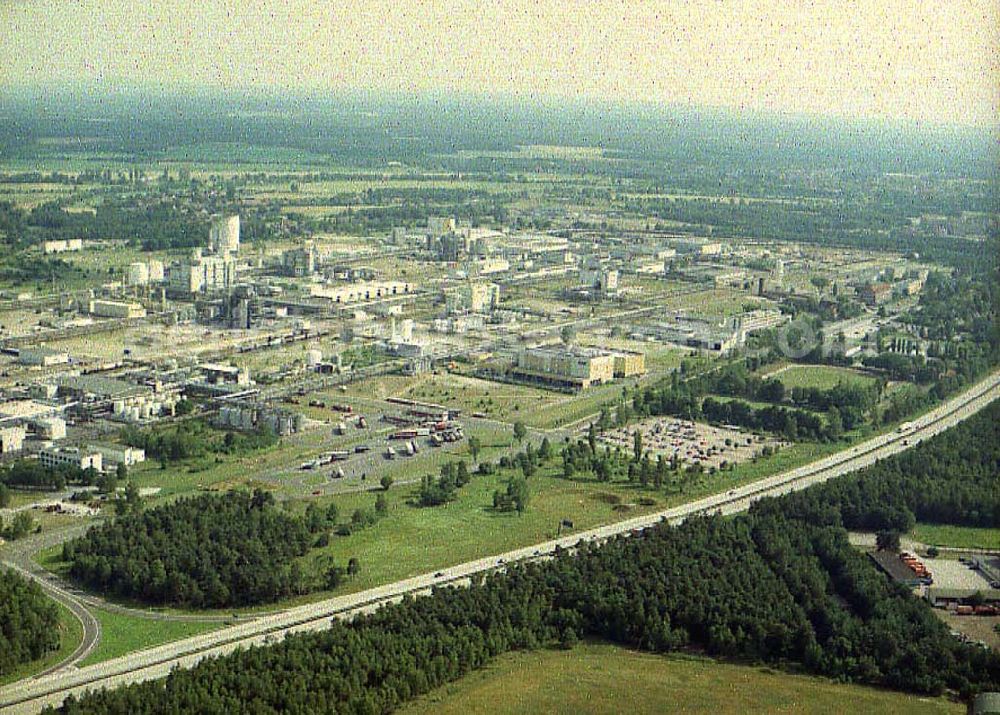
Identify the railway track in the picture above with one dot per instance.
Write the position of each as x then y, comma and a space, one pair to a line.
31, 695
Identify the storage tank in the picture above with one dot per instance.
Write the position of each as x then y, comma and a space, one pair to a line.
314, 357
118, 406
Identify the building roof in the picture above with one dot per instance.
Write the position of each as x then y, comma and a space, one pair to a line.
104, 387
890, 562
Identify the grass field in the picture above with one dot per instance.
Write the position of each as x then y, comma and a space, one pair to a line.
963, 537
595, 679
822, 377
122, 634
70, 635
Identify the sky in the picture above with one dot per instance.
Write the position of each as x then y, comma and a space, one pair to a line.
928, 61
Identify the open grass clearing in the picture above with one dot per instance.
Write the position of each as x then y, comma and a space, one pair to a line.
961, 537
121, 634
597, 679
822, 377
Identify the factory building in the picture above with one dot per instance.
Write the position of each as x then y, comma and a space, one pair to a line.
202, 274
360, 292
301, 261
224, 235
116, 309
56, 457
62, 246
576, 367
873, 294
41, 356
216, 374
141, 274
249, 417
113, 455
12, 439
473, 298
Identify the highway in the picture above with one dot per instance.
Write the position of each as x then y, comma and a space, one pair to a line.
50, 689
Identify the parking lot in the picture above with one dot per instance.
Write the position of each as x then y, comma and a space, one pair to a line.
692, 442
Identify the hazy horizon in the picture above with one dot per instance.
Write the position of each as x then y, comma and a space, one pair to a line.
886, 61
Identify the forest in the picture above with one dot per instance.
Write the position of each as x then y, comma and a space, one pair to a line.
779, 585
203, 552
29, 622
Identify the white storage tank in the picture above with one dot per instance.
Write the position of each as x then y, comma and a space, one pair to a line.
314, 357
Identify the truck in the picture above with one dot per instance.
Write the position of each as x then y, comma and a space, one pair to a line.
339, 455
410, 451
340, 429
390, 453
337, 473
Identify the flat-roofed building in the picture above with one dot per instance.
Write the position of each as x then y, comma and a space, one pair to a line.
12, 439
41, 356
361, 292
55, 457
116, 309
629, 364
566, 366
113, 455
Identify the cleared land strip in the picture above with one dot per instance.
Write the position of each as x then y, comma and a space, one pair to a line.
30, 696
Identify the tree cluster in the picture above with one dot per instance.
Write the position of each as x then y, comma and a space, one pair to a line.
236, 549
29, 622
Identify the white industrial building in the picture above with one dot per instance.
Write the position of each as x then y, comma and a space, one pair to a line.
360, 292
116, 309
113, 455
224, 235
202, 273
62, 246
55, 457
41, 356
12, 439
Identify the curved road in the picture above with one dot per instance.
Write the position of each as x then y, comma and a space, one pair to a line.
30, 696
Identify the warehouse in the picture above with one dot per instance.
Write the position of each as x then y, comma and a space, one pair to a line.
576, 367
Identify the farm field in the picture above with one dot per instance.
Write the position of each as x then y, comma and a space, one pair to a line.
595, 679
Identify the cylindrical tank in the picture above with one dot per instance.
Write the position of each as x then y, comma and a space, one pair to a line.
118, 406
314, 357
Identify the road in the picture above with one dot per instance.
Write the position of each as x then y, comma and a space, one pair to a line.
51, 689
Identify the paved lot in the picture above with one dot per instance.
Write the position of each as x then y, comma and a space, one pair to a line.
691, 442
951, 573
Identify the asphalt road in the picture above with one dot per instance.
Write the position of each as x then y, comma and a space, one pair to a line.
51, 689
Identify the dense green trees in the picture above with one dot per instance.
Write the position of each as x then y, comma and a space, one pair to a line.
194, 438
32, 474
28, 622
206, 551
949, 479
